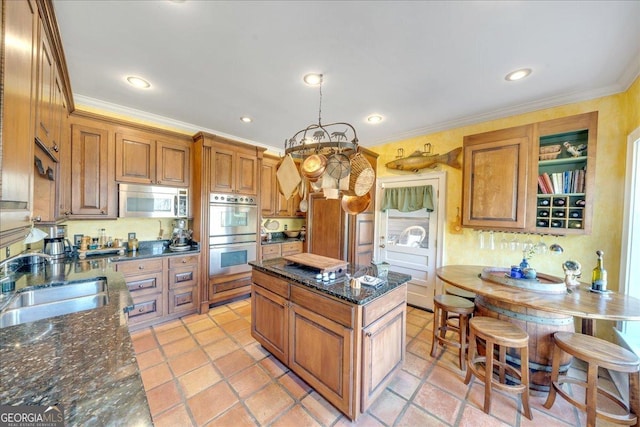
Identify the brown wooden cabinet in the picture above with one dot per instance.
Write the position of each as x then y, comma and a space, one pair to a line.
93, 191
268, 186
143, 159
495, 178
235, 169
183, 284
20, 21
162, 288
347, 352
145, 280
277, 250
500, 177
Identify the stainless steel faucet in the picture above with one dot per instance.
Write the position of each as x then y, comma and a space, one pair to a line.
5, 266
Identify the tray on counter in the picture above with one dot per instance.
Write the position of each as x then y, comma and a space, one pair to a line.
104, 251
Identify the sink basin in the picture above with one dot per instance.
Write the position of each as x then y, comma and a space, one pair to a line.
43, 303
57, 293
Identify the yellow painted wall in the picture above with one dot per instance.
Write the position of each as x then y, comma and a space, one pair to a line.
618, 115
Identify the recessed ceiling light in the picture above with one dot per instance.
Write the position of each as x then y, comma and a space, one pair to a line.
518, 74
312, 79
374, 118
246, 119
138, 82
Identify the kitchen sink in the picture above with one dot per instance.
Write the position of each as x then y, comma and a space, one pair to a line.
42, 303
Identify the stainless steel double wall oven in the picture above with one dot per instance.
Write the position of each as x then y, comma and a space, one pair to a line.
233, 226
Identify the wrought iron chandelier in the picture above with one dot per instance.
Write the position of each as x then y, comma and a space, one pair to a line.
320, 139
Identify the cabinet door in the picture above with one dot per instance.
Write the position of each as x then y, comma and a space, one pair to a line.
320, 352
16, 121
223, 174
135, 159
268, 187
270, 321
172, 163
246, 173
44, 119
495, 178
92, 186
383, 353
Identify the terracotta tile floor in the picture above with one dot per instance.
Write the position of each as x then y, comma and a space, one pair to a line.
206, 370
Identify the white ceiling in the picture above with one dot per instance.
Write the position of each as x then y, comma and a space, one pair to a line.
426, 66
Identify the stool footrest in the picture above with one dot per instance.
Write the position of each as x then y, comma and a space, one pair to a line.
482, 374
628, 418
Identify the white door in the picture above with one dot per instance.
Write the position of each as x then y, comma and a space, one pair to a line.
412, 241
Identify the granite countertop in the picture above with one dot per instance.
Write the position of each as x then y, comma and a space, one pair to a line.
339, 287
85, 360
280, 238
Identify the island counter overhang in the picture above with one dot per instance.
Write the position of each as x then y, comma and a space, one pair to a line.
345, 343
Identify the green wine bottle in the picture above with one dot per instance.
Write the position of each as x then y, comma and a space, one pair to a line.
599, 275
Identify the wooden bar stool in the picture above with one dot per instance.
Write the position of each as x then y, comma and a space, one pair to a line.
596, 353
443, 305
504, 335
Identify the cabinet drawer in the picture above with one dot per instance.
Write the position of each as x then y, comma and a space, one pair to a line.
145, 309
141, 266
291, 248
277, 286
145, 284
185, 276
379, 307
329, 308
270, 251
178, 261
182, 299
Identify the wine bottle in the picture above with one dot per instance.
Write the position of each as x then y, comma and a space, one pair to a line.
556, 224
542, 223
599, 275
558, 214
559, 202
543, 202
580, 202
544, 213
575, 214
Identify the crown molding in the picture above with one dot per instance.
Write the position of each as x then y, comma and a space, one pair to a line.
108, 109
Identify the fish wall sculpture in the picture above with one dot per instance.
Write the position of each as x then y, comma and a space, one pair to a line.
420, 160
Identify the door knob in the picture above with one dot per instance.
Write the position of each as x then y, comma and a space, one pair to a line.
382, 246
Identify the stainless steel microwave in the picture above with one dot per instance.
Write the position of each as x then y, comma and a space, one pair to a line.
147, 201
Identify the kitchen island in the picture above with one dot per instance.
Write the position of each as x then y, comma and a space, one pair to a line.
346, 343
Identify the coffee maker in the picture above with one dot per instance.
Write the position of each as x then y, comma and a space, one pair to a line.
56, 243
181, 237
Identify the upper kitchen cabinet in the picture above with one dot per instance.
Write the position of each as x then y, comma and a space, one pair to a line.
566, 149
495, 178
144, 159
536, 178
35, 102
234, 166
20, 22
93, 190
272, 202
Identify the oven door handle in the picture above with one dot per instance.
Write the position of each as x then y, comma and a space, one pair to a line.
232, 245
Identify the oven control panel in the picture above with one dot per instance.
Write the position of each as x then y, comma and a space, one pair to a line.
232, 199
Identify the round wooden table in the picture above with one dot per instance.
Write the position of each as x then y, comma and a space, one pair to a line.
578, 301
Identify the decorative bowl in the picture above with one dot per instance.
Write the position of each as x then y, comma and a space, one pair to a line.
290, 233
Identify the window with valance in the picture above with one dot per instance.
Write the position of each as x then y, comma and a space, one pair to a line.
408, 199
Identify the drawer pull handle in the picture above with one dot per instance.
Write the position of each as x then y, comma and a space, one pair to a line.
141, 267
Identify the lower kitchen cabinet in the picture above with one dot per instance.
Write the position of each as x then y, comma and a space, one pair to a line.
346, 352
276, 250
162, 288
183, 284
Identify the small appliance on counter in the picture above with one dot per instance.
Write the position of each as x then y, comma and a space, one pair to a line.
181, 237
56, 243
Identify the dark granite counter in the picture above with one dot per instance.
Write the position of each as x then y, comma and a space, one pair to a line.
85, 360
339, 287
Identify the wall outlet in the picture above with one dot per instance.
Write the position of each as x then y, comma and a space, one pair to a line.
132, 236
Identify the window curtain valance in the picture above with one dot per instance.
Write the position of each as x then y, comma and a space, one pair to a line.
408, 199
